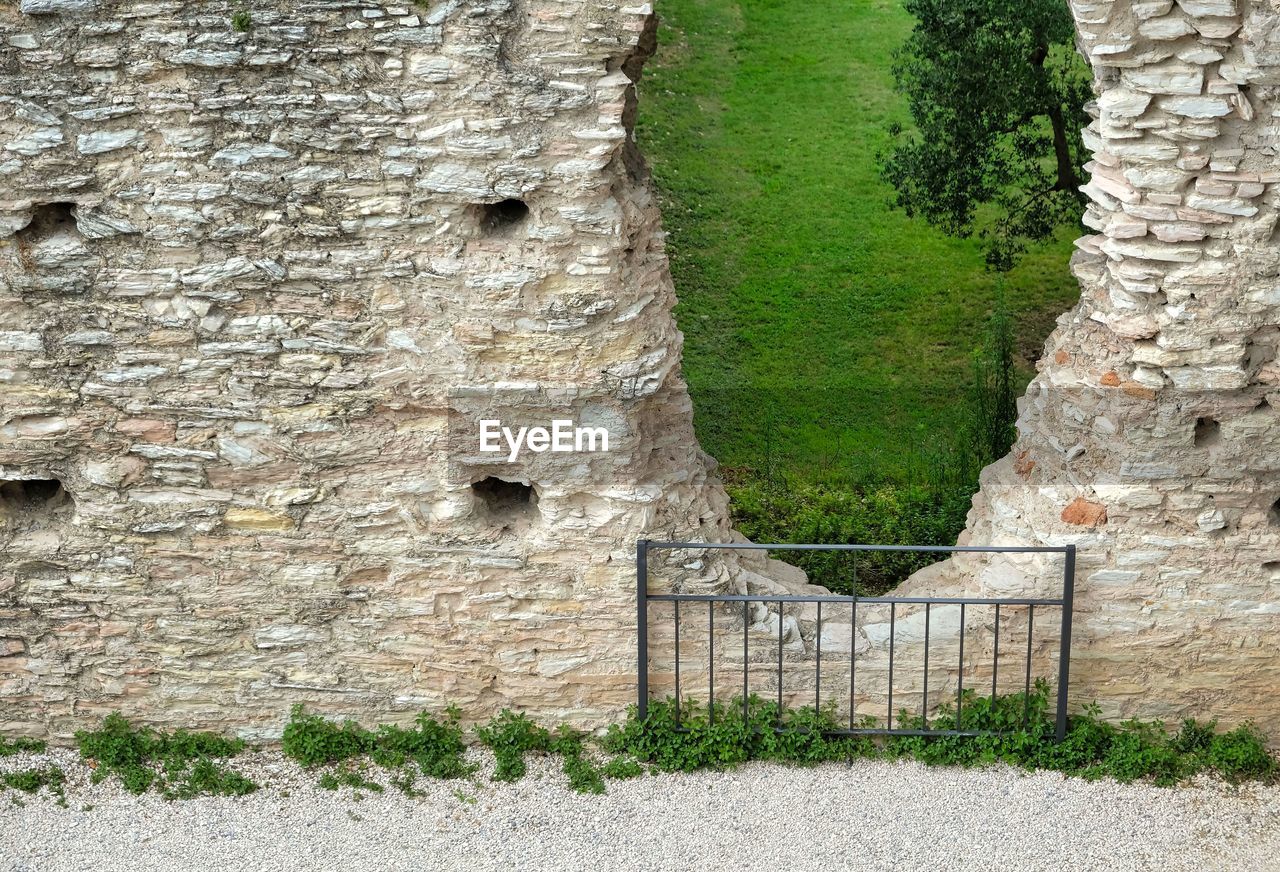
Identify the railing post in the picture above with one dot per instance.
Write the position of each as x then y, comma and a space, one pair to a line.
1064, 646
642, 628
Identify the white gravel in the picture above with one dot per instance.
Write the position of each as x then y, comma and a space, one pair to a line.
873, 815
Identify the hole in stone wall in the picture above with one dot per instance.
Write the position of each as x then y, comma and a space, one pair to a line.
500, 217
1272, 567
49, 219
1207, 432
502, 498
20, 496
1274, 514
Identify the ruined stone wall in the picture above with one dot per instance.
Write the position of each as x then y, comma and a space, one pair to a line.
256, 291
1151, 436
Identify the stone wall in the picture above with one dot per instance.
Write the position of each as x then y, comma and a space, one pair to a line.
1150, 438
256, 291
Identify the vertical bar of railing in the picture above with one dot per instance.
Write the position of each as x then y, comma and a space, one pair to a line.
677, 605
746, 619
960, 671
817, 679
1026, 685
711, 663
853, 635
995, 656
924, 706
893, 608
642, 628
779, 712
1064, 644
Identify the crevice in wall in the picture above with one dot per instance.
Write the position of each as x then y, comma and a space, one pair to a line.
505, 503
1208, 432
503, 217
632, 67
26, 497
47, 221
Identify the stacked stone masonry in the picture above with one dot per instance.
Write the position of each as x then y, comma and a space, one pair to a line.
256, 291
258, 288
1150, 438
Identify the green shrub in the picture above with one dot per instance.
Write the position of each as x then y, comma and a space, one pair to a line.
622, 768
436, 747
313, 740
584, 776
349, 778
180, 763
1022, 735
19, 744
1239, 755
510, 736
870, 514
31, 780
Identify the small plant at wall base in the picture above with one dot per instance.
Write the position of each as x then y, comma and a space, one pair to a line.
1092, 748
20, 744
31, 780
510, 737
435, 747
180, 764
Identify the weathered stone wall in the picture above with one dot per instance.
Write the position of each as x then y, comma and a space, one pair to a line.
257, 290
252, 307
1151, 436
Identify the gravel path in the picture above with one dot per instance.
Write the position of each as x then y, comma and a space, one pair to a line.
873, 815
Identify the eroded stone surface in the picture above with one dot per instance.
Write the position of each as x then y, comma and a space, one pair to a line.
1157, 406
1150, 438
252, 311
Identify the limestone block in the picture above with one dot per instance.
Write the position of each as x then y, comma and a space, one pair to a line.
55, 7
101, 141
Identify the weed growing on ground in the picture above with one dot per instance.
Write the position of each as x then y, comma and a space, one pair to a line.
621, 768
583, 775
510, 736
180, 764
1134, 750
31, 780
349, 778
20, 744
436, 747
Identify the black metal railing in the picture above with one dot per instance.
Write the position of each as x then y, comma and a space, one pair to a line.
1063, 603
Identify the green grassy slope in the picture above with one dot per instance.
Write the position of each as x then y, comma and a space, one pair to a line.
821, 326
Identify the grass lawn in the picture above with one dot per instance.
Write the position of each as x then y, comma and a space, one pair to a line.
824, 331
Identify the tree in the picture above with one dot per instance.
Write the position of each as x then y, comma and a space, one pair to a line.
997, 93
993, 396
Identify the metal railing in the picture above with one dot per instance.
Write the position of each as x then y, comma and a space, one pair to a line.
1063, 602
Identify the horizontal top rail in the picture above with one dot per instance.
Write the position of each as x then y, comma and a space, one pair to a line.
756, 546
897, 600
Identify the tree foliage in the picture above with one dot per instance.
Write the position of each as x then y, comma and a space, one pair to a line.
996, 90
